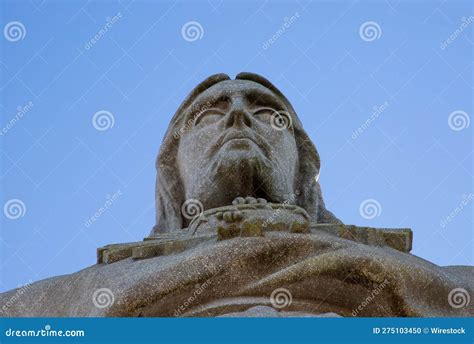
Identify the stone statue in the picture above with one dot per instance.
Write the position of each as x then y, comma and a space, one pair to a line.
242, 230
234, 138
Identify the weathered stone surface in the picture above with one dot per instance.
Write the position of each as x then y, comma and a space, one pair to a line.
150, 247
250, 225
236, 138
323, 273
242, 230
397, 238
244, 220
163, 248
250, 218
269, 312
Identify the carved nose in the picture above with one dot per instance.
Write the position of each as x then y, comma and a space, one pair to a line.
239, 118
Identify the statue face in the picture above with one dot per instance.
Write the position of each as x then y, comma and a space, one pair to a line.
236, 144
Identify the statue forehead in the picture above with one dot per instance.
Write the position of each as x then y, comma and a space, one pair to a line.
235, 88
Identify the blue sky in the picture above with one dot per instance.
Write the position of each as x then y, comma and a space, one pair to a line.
384, 88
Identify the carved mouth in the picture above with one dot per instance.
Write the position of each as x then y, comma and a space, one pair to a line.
240, 139
235, 135
240, 142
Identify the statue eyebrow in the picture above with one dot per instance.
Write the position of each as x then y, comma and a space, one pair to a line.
265, 99
195, 109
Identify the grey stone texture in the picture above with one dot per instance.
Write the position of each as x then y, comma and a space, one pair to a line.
242, 231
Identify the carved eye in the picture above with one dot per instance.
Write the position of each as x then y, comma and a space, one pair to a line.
265, 114
208, 117
279, 120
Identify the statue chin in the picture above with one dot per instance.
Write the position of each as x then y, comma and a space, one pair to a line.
232, 173
252, 164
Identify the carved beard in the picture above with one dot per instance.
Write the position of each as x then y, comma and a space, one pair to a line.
233, 173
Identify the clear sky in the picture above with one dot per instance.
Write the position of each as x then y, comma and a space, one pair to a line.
384, 88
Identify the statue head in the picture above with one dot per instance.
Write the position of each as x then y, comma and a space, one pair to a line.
232, 138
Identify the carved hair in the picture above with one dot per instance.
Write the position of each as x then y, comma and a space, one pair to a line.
169, 192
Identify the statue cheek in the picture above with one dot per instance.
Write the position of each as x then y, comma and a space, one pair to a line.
186, 151
282, 139
195, 144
